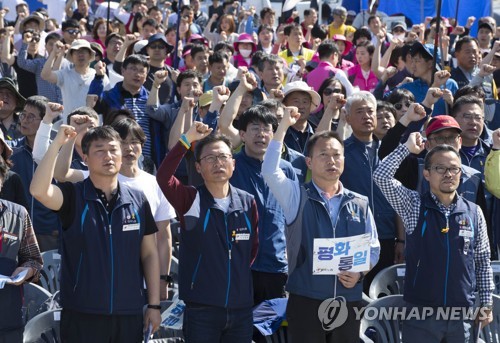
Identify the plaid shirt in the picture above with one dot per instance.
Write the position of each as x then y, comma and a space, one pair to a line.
29, 253
407, 204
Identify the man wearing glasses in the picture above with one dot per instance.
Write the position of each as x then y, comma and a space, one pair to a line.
447, 242
219, 240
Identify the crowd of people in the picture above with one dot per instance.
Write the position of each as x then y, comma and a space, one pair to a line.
259, 134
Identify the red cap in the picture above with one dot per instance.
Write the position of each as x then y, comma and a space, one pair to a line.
439, 123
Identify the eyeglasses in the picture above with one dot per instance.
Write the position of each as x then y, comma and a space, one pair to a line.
223, 158
443, 170
157, 46
136, 70
330, 91
29, 118
73, 31
255, 130
35, 39
399, 105
444, 140
470, 116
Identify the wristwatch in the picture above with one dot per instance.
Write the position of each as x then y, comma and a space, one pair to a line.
154, 307
168, 279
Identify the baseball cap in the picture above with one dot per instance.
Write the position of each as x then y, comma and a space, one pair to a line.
400, 24
486, 25
440, 123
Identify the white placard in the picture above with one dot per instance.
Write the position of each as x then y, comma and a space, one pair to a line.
334, 255
173, 316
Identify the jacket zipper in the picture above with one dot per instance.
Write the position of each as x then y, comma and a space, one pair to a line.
193, 278
447, 260
229, 246
82, 220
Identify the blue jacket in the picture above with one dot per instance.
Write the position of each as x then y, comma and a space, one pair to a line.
216, 251
45, 221
419, 89
358, 177
438, 270
101, 269
271, 257
313, 221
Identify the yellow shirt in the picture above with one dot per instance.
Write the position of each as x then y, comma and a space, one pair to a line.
289, 58
345, 30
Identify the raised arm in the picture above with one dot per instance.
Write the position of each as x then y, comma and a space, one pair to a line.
492, 166
247, 84
41, 186
48, 73
159, 78
220, 95
182, 122
63, 171
286, 191
42, 137
120, 56
332, 111
7, 55
69, 8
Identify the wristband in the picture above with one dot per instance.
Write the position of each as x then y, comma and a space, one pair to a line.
167, 278
154, 307
185, 141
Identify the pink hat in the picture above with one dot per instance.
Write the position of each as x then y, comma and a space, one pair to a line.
244, 38
348, 45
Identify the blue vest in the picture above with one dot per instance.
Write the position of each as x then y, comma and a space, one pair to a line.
440, 266
313, 221
101, 253
12, 219
358, 177
216, 251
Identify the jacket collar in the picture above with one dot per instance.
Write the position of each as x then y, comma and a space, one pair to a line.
235, 203
460, 207
90, 194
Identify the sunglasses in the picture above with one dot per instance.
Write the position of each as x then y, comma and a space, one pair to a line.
399, 105
73, 31
157, 46
35, 39
330, 91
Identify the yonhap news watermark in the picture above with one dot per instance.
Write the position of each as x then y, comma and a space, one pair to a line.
333, 313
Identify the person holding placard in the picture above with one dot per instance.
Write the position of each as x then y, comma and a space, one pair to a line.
316, 212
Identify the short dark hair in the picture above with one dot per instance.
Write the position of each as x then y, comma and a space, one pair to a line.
476, 91
265, 11
362, 32
39, 102
386, 106
311, 143
70, 23
217, 57
209, 140
289, 28
224, 45
126, 127
466, 100
97, 133
83, 110
197, 48
256, 57
464, 40
271, 59
371, 18
53, 35
257, 114
153, 8
111, 36
327, 49
151, 22
188, 74
328, 82
272, 105
110, 118
136, 59
437, 149
399, 94
265, 27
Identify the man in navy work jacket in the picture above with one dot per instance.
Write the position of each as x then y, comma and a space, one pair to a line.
108, 244
322, 208
219, 240
447, 247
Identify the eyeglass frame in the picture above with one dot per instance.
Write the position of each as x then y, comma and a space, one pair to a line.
453, 170
216, 158
29, 118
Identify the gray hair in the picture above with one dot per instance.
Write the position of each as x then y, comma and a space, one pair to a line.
358, 97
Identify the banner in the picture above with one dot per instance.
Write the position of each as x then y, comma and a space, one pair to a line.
334, 255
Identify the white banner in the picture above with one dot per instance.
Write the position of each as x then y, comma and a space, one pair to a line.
173, 316
334, 255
